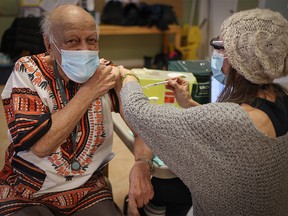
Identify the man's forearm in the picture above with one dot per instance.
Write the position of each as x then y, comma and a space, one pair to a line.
63, 123
141, 150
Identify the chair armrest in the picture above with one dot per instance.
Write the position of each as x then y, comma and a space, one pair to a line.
123, 131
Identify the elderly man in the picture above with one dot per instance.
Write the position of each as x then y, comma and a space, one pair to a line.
58, 110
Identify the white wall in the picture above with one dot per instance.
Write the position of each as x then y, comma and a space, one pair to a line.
276, 5
216, 11
219, 11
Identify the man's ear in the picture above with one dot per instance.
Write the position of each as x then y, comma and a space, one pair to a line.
47, 44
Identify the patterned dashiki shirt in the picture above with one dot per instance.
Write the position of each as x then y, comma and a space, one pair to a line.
30, 97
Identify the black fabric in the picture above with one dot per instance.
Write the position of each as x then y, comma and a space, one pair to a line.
173, 194
112, 13
161, 59
106, 207
24, 37
28, 143
30, 169
34, 210
115, 101
130, 15
277, 112
142, 14
162, 16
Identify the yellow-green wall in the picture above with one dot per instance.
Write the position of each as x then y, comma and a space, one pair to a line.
129, 47
245, 5
9, 9
117, 48
135, 47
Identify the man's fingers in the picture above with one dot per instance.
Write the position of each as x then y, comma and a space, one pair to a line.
132, 207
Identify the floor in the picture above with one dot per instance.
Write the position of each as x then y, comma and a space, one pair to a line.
119, 167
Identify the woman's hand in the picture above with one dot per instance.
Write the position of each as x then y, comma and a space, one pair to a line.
123, 70
127, 75
180, 87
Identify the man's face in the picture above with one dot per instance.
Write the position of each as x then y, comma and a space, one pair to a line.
81, 35
73, 29
77, 37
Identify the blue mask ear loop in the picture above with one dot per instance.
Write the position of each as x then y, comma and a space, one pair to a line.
75, 165
58, 64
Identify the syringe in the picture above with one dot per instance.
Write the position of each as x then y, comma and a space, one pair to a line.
155, 84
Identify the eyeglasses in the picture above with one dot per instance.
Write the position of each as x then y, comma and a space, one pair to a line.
217, 44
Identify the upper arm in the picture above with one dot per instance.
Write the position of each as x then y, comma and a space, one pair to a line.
261, 120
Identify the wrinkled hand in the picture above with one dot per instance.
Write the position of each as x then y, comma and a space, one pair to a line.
180, 87
132, 208
140, 187
123, 73
101, 82
123, 70
116, 71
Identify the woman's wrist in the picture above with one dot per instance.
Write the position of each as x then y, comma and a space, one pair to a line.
129, 77
193, 103
188, 103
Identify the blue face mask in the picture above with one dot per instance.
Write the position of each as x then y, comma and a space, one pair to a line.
79, 65
216, 65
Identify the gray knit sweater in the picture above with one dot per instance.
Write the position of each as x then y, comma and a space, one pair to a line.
230, 167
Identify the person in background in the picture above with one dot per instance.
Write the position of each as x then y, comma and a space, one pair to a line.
58, 108
233, 154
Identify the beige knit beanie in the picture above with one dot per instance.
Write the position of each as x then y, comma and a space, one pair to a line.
256, 42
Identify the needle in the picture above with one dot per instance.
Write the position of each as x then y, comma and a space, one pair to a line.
155, 84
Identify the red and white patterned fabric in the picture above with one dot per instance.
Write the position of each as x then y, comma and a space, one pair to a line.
30, 97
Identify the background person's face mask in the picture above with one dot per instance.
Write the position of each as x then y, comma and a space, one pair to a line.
79, 65
216, 65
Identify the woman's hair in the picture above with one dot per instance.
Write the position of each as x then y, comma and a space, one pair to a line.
240, 90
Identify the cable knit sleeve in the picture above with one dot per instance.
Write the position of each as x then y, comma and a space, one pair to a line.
183, 136
217, 151
226, 162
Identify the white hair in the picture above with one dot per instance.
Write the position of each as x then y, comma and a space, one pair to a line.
46, 27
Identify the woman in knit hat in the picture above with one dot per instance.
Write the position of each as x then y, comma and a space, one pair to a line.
233, 154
